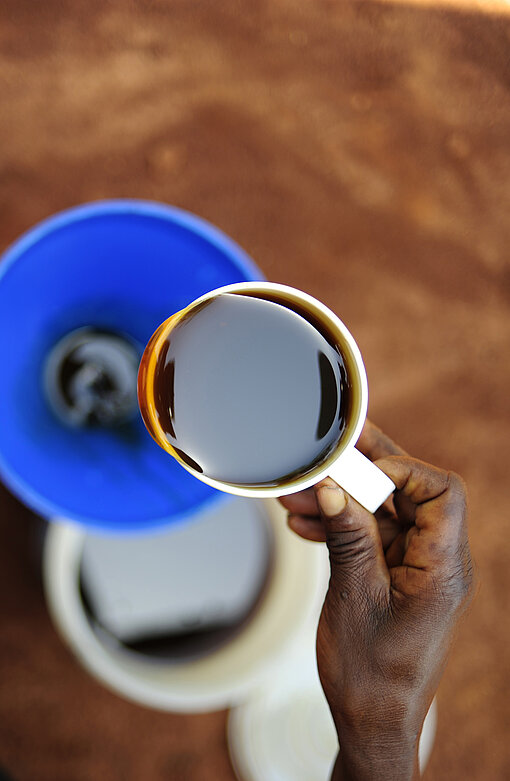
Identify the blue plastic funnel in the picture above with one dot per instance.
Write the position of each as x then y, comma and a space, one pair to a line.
123, 267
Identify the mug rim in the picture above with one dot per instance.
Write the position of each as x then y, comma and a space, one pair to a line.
332, 321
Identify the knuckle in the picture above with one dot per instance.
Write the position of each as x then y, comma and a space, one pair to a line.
468, 574
456, 583
349, 547
457, 486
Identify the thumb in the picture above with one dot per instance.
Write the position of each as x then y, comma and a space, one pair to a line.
354, 543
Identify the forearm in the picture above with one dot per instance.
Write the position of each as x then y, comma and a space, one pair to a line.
376, 759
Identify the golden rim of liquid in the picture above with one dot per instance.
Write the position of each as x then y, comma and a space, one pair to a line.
146, 377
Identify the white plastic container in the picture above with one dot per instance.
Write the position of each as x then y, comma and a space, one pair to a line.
288, 606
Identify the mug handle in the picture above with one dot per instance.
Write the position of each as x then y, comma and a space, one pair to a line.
362, 479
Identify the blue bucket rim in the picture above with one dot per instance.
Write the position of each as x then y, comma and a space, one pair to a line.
146, 208
14, 252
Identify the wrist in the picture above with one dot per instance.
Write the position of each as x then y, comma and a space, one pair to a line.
387, 754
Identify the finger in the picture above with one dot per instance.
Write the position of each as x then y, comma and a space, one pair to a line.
374, 444
415, 479
404, 508
389, 528
301, 503
354, 543
311, 528
305, 503
440, 515
395, 552
307, 528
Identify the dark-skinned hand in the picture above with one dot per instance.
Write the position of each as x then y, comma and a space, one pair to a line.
400, 579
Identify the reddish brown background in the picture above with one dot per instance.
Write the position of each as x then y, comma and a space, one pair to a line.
360, 151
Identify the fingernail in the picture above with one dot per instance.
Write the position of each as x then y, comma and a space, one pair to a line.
332, 500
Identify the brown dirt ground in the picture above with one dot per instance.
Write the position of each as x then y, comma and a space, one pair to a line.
360, 151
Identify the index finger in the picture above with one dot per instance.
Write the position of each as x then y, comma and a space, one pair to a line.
440, 500
375, 444
303, 503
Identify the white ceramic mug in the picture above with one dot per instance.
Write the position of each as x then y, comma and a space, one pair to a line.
355, 473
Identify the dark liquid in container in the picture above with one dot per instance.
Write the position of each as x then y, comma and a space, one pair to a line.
249, 392
173, 646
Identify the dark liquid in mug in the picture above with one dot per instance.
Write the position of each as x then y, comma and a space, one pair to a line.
249, 392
